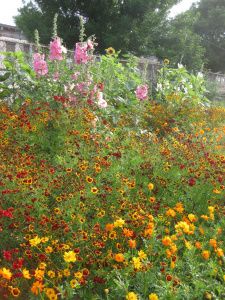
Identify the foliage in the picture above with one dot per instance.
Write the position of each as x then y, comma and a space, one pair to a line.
105, 195
146, 18
210, 27
181, 44
181, 88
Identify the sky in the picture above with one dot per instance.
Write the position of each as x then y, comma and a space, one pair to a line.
8, 9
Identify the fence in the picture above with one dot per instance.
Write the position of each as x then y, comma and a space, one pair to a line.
148, 66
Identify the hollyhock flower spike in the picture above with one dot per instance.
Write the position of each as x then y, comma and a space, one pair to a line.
81, 54
56, 49
40, 65
142, 92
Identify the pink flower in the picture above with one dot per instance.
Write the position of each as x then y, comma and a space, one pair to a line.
75, 75
56, 49
90, 45
81, 54
40, 65
142, 92
101, 102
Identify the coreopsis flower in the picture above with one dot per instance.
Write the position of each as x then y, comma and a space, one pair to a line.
40, 65
56, 49
26, 274
119, 257
166, 241
81, 53
142, 92
35, 241
153, 296
6, 273
137, 262
150, 186
142, 255
37, 287
119, 223
131, 296
69, 256
15, 292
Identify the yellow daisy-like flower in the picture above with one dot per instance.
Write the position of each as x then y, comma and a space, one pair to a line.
131, 296
110, 51
142, 255
150, 186
153, 296
26, 274
119, 223
35, 241
69, 256
6, 273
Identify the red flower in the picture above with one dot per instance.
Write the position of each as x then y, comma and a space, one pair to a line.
191, 182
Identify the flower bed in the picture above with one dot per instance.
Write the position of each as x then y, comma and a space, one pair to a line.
105, 192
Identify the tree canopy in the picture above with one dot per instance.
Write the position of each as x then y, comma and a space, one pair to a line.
127, 25
210, 26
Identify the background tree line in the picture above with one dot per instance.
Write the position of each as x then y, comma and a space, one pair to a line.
195, 38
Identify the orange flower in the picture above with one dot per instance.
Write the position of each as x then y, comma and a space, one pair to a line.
198, 245
132, 244
119, 257
213, 243
109, 227
166, 241
206, 254
37, 287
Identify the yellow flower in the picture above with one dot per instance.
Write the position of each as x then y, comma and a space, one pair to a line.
78, 275
131, 296
51, 274
6, 273
166, 61
26, 274
66, 272
48, 250
35, 241
150, 186
137, 263
73, 283
110, 51
142, 255
220, 252
119, 223
69, 256
153, 296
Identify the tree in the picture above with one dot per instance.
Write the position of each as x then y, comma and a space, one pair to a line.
181, 44
210, 25
127, 25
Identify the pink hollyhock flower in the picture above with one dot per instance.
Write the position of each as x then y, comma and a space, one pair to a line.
142, 92
56, 49
81, 54
40, 65
101, 102
75, 75
90, 45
